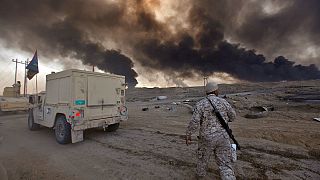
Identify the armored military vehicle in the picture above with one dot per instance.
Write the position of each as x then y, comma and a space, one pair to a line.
11, 101
77, 100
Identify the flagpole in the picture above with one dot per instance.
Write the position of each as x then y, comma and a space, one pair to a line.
36, 88
25, 78
33, 70
37, 79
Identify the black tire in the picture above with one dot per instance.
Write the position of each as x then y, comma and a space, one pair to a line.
62, 130
31, 125
113, 127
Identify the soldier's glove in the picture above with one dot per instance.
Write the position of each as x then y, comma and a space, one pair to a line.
188, 140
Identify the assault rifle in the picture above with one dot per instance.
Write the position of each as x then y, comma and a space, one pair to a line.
224, 124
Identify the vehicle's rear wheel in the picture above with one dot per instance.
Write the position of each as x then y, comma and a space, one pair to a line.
32, 126
62, 130
113, 127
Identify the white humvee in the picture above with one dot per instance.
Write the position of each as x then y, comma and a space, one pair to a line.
76, 100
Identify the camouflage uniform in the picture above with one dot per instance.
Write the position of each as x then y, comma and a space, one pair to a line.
213, 137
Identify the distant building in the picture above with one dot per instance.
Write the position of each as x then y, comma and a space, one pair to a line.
13, 91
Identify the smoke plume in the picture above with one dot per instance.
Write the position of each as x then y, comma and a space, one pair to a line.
198, 38
51, 26
207, 52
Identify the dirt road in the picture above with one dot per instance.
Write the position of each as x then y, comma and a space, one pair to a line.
150, 145
129, 153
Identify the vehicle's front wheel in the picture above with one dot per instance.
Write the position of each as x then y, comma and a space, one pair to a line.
113, 127
31, 125
62, 130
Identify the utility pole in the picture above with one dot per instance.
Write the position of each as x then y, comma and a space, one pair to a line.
20, 62
15, 76
205, 80
25, 78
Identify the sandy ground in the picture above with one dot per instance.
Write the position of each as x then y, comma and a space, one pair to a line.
150, 145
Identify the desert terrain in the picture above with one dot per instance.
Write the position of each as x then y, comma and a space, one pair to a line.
283, 144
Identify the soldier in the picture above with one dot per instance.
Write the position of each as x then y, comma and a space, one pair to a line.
213, 138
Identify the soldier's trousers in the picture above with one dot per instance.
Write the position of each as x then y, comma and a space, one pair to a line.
219, 146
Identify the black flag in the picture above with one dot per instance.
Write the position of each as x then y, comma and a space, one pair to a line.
33, 67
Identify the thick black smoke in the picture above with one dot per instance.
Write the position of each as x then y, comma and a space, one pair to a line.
55, 26
107, 33
184, 58
296, 18
207, 52
274, 27
69, 41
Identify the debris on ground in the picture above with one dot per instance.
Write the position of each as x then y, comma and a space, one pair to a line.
270, 108
145, 109
316, 119
162, 97
172, 108
257, 112
157, 107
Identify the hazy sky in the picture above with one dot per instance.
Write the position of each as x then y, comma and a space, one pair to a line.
163, 43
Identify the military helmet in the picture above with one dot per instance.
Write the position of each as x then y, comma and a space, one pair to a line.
211, 86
